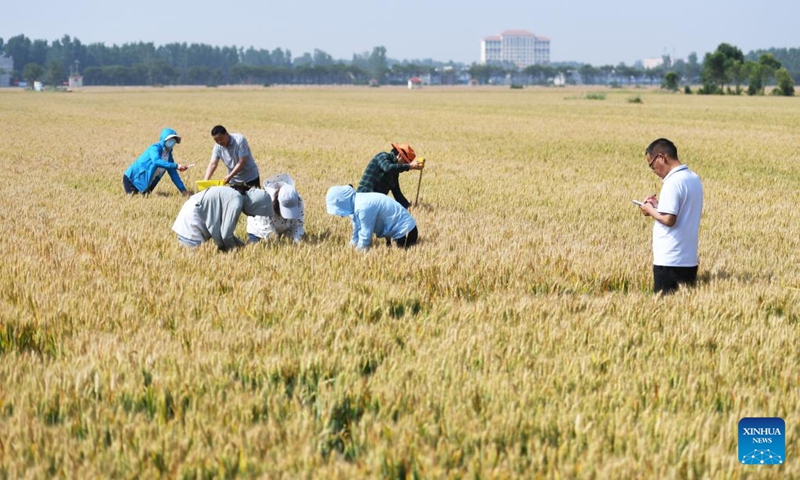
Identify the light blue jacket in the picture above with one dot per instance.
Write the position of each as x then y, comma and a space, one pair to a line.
371, 213
147, 170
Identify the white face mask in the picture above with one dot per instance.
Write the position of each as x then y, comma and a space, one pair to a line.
170, 143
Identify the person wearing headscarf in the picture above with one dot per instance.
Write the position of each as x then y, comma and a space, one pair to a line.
372, 214
288, 213
145, 173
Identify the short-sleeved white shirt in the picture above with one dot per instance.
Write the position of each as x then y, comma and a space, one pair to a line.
189, 223
230, 155
682, 196
265, 227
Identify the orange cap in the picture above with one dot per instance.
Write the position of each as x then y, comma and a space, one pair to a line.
405, 151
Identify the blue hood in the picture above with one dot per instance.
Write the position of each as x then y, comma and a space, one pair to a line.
166, 133
341, 200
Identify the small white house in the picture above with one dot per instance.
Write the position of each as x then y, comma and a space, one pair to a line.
75, 77
75, 81
414, 82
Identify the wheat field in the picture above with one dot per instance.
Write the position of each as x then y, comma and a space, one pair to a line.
518, 339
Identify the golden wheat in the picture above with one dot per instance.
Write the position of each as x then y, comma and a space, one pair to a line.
518, 339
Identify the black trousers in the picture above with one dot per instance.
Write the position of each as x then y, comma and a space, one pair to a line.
131, 189
409, 240
667, 279
244, 187
128, 186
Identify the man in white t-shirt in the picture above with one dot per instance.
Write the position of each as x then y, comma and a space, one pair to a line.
233, 150
677, 218
213, 214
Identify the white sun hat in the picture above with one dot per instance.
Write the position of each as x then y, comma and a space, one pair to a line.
289, 202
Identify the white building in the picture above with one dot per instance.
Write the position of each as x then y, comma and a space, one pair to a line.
75, 77
519, 47
651, 63
6, 67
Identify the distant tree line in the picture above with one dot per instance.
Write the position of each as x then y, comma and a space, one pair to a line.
727, 70
585, 74
789, 58
196, 64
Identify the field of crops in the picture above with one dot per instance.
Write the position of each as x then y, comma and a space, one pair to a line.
519, 338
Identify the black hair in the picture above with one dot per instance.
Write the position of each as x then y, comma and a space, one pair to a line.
217, 130
276, 204
662, 145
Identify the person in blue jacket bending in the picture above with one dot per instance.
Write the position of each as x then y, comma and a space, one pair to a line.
147, 170
372, 213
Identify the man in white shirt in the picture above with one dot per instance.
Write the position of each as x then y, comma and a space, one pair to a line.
213, 214
233, 150
677, 218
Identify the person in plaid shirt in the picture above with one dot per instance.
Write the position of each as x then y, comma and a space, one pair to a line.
382, 174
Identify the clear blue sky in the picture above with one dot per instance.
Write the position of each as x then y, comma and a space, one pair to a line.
590, 31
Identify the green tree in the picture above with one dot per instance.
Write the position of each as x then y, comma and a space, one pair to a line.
693, 68
785, 83
378, 65
679, 67
722, 67
251, 56
32, 72
761, 73
322, 59
303, 60
789, 58
19, 49
670, 82
484, 72
755, 85
588, 74
216, 77
160, 73
38, 52
737, 72
628, 74
55, 73
539, 73
198, 75
281, 58
714, 73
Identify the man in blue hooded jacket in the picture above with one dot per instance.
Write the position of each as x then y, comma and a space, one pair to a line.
372, 213
147, 170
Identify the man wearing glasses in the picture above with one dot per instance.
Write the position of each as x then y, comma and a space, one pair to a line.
677, 218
